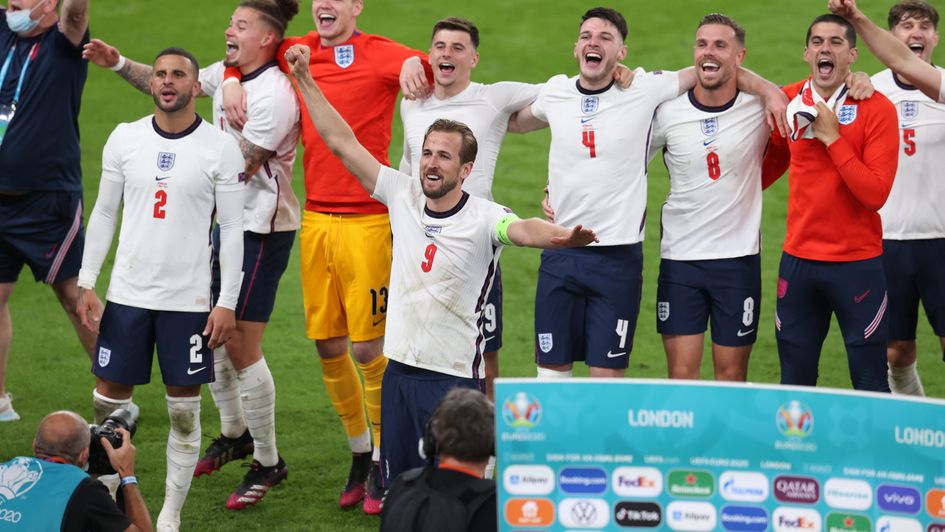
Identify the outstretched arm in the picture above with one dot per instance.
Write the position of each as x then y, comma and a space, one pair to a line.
890, 50
333, 129
107, 56
537, 233
74, 20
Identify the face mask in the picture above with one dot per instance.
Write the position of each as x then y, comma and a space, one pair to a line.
21, 21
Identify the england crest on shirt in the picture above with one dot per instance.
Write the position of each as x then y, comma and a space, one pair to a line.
909, 110
710, 126
589, 104
165, 161
344, 55
847, 114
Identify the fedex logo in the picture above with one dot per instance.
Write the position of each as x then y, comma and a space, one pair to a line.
790, 519
637, 482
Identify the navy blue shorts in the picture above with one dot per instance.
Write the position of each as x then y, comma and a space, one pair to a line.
265, 258
915, 270
492, 314
408, 397
727, 290
808, 293
44, 231
127, 338
586, 305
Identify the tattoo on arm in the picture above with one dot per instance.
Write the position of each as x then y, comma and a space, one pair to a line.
254, 156
137, 74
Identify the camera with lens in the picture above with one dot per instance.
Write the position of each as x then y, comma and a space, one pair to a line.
98, 458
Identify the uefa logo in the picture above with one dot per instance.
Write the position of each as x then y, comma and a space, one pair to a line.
794, 420
521, 411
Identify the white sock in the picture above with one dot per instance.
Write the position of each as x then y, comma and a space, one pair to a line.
226, 395
548, 374
905, 381
104, 406
183, 447
376, 455
361, 443
258, 394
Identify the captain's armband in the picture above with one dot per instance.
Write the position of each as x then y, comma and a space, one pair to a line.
502, 229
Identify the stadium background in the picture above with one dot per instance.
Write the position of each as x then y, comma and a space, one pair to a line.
524, 40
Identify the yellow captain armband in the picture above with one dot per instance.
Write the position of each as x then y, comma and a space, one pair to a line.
502, 228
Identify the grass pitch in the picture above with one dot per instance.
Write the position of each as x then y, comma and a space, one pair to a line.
525, 40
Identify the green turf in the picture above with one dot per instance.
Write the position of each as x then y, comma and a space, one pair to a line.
526, 40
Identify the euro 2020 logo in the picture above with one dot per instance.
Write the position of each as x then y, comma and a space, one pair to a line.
17, 477
795, 420
521, 411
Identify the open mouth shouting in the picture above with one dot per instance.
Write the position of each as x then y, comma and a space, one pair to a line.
593, 58
917, 48
446, 67
825, 67
325, 20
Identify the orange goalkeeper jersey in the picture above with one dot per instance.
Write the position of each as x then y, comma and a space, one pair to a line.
835, 193
360, 78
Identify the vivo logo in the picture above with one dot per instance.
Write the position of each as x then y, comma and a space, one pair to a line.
902, 499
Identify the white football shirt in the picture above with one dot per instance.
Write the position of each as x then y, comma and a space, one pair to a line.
941, 88
713, 155
272, 123
913, 210
484, 108
598, 155
443, 266
169, 186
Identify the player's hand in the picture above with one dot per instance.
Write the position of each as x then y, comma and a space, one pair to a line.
297, 56
89, 309
546, 208
413, 79
122, 458
234, 105
826, 125
859, 85
101, 53
623, 76
220, 325
776, 111
577, 237
845, 8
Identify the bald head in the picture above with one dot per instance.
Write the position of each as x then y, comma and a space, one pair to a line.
63, 434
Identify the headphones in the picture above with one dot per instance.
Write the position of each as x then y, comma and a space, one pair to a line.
428, 444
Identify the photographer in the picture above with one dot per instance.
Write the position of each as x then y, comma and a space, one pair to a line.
52, 491
458, 441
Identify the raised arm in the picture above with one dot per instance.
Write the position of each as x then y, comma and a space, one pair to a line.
107, 56
889, 50
335, 132
74, 20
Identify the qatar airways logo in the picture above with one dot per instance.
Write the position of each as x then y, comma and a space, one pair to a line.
802, 490
637, 482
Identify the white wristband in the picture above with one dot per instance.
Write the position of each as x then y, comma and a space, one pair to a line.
120, 64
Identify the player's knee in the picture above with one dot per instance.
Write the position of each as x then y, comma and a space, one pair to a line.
900, 353
332, 347
366, 352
